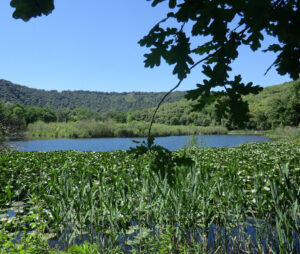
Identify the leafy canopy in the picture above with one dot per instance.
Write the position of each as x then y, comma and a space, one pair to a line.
220, 28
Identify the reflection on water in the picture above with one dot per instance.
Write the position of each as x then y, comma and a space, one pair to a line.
247, 237
111, 144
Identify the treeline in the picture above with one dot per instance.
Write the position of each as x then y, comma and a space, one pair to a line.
95, 101
15, 118
12, 119
275, 106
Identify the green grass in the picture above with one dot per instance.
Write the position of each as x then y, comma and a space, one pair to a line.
93, 192
291, 134
284, 133
95, 129
246, 132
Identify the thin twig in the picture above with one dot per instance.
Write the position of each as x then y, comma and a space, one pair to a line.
277, 3
205, 58
158, 105
162, 21
175, 87
270, 68
182, 26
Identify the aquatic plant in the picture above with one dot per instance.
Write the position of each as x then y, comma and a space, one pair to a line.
94, 129
244, 198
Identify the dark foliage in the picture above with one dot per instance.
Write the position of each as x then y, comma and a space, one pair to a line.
222, 27
163, 162
26, 9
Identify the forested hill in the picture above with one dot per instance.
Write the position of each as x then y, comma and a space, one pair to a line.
96, 101
275, 105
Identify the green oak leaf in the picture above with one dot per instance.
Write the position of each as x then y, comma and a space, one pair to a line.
273, 47
179, 55
26, 9
153, 58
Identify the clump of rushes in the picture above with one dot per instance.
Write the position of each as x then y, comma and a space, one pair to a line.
97, 129
241, 199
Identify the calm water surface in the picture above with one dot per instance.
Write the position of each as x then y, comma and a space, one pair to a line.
110, 144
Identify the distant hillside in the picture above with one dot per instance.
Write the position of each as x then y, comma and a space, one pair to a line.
273, 106
264, 101
96, 101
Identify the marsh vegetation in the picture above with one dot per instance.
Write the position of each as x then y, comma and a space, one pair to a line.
229, 200
95, 129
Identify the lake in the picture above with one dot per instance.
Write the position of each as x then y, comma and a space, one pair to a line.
110, 144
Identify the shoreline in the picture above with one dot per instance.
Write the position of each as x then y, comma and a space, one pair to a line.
133, 137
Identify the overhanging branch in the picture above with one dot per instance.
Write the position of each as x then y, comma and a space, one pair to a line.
175, 87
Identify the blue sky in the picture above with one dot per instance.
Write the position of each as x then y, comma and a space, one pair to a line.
92, 45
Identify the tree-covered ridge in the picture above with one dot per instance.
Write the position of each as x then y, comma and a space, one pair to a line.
95, 101
275, 105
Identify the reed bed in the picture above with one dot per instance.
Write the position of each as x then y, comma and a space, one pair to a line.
288, 133
97, 129
233, 200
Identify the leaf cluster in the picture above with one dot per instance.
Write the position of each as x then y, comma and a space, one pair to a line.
220, 28
26, 9
163, 162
